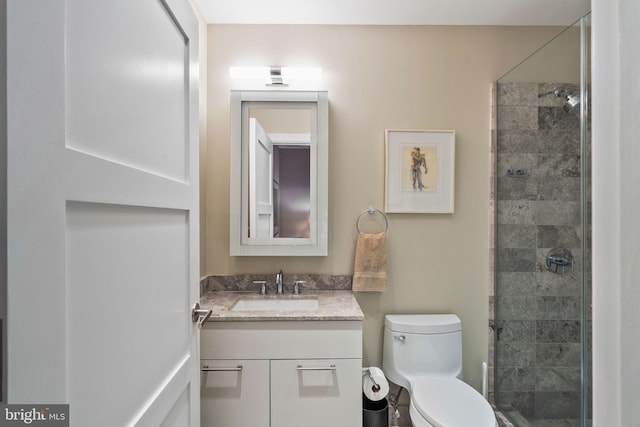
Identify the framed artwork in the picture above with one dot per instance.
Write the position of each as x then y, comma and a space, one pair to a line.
419, 171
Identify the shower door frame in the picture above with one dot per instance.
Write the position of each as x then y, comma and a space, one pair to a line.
585, 168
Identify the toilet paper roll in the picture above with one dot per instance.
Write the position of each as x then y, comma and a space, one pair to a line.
374, 384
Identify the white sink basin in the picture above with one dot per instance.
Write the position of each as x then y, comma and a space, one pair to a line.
302, 304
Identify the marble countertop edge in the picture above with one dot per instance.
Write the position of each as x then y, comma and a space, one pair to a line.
332, 305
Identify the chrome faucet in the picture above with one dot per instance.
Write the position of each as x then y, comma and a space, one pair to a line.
279, 280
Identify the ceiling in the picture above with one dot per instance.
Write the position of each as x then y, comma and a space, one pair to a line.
395, 12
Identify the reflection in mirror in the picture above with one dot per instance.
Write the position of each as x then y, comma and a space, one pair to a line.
279, 154
279, 147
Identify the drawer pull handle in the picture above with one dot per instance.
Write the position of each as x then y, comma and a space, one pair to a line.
317, 368
207, 368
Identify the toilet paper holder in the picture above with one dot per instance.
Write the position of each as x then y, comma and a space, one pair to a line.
375, 387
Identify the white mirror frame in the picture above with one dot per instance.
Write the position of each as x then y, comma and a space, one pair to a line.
317, 243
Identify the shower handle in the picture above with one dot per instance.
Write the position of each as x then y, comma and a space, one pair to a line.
559, 257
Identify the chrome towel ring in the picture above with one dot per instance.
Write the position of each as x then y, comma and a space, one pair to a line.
370, 211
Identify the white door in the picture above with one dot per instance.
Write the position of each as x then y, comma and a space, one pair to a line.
260, 182
102, 209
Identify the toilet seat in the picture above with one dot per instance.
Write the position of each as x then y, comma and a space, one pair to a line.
450, 402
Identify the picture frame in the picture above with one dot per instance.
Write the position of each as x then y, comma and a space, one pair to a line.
419, 171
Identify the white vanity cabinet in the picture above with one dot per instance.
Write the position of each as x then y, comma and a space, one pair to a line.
316, 392
281, 374
234, 393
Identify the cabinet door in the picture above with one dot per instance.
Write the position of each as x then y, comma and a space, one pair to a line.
234, 393
316, 393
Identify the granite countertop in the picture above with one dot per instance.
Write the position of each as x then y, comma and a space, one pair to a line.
333, 305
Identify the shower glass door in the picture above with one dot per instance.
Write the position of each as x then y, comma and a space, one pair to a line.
542, 297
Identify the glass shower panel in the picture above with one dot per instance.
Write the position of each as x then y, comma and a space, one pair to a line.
542, 284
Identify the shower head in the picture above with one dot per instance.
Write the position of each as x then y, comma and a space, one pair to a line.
573, 100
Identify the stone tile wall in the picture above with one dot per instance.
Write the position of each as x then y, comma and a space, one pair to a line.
536, 316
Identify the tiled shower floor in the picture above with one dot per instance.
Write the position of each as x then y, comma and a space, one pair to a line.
520, 421
512, 419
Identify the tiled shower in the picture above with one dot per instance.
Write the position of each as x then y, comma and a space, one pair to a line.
540, 323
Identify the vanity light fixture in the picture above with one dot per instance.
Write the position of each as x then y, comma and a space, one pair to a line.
275, 75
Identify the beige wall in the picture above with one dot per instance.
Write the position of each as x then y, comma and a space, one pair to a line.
378, 78
558, 61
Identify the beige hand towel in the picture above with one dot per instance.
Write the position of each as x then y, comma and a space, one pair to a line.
370, 267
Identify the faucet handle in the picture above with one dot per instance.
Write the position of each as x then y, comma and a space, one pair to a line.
296, 286
263, 286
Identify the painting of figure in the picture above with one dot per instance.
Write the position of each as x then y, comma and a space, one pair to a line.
420, 168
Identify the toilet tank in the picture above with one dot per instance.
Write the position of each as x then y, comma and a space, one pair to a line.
421, 345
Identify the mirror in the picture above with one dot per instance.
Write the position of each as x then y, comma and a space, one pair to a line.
279, 164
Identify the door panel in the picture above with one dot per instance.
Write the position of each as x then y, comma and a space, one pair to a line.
260, 182
141, 100
179, 414
123, 264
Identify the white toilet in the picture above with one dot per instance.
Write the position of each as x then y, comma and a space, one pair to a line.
423, 353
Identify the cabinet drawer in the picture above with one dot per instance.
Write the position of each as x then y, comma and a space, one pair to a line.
234, 393
316, 393
281, 340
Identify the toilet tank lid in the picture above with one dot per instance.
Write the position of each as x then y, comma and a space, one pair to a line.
423, 323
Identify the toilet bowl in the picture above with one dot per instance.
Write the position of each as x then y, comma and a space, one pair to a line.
447, 402
423, 353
